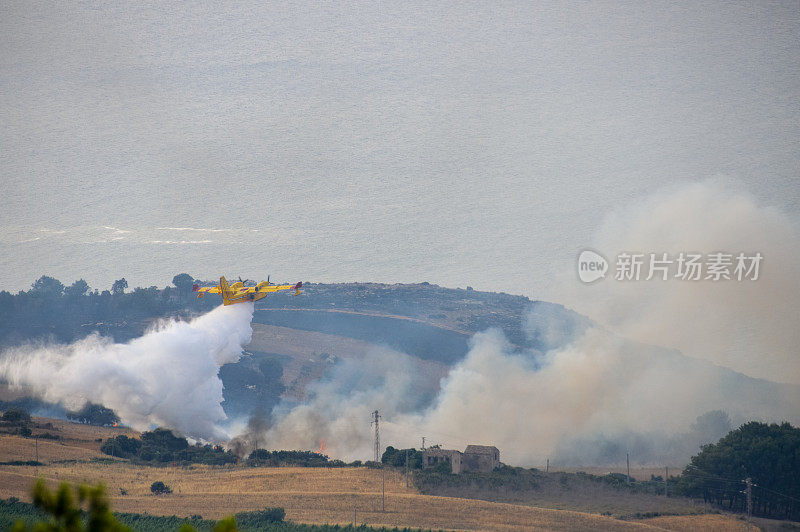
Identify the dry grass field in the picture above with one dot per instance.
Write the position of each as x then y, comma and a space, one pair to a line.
24, 449
309, 495
76, 442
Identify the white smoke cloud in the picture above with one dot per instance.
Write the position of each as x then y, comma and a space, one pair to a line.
168, 377
592, 385
749, 326
599, 387
339, 406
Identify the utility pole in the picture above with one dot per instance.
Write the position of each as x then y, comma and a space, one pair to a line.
749, 483
406, 468
628, 460
423, 443
36, 445
355, 510
375, 418
547, 467
666, 476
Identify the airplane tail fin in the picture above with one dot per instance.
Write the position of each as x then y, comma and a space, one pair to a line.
196, 288
226, 291
297, 288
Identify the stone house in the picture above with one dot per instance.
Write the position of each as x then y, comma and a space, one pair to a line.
480, 458
475, 458
433, 457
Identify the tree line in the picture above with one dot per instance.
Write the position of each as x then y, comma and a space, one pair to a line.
767, 454
50, 309
161, 446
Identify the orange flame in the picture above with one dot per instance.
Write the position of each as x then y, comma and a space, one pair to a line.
321, 447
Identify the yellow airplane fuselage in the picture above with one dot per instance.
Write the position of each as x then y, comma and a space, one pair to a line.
238, 293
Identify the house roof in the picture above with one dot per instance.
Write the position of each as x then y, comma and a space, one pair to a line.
481, 449
441, 452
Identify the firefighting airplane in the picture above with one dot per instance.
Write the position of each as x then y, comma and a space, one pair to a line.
239, 293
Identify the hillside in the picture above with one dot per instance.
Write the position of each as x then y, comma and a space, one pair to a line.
351, 308
297, 341
49, 311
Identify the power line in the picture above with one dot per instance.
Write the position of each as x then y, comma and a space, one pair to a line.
776, 492
717, 478
697, 469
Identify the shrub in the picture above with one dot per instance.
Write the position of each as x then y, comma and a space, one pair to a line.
121, 446
443, 467
92, 414
257, 519
159, 488
16, 416
397, 457
262, 457
162, 446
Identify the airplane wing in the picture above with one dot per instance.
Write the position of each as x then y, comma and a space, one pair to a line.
205, 290
209, 289
277, 288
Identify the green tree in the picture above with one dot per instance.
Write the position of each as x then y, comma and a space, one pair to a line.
145, 300
119, 286
711, 426
77, 289
164, 438
16, 416
767, 454
6, 302
122, 446
183, 282
47, 287
397, 457
93, 414
159, 488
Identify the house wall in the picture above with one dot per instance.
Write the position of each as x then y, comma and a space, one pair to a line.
435, 456
482, 463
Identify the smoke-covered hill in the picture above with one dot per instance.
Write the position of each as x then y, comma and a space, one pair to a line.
457, 365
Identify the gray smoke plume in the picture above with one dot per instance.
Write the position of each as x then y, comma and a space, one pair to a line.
599, 390
168, 377
338, 407
748, 326
253, 435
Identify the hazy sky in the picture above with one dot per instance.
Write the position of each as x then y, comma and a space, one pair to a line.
472, 143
